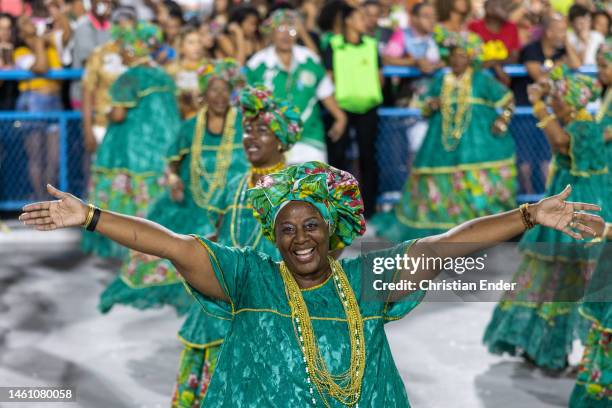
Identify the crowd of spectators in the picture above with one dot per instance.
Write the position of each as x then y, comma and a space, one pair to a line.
39, 35
42, 35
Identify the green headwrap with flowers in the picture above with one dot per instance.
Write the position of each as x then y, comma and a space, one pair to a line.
280, 116
140, 40
334, 193
278, 18
226, 69
576, 90
605, 50
447, 40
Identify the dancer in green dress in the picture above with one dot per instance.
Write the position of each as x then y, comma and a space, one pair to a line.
466, 165
271, 128
303, 331
206, 153
144, 120
594, 382
540, 319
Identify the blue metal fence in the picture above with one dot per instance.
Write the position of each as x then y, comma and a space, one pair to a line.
35, 144
22, 132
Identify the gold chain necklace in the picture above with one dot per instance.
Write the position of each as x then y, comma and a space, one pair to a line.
223, 159
603, 109
262, 171
344, 387
455, 121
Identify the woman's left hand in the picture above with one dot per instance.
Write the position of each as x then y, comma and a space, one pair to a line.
499, 126
568, 217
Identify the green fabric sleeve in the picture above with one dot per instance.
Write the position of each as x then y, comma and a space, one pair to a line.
124, 91
586, 144
490, 88
363, 276
181, 144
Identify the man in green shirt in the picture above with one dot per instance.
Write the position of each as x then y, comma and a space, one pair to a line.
294, 72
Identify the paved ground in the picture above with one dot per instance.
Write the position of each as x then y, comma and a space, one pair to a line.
52, 335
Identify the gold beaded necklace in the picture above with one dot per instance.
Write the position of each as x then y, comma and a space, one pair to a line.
223, 159
455, 121
344, 387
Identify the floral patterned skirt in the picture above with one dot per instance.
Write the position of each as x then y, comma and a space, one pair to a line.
196, 368
146, 285
528, 320
436, 199
121, 191
594, 382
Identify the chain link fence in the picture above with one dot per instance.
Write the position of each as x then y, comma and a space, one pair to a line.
401, 128
40, 148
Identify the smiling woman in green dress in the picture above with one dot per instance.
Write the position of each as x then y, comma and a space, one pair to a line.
144, 120
466, 165
271, 127
303, 334
540, 319
206, 153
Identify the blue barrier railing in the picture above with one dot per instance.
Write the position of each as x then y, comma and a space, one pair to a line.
394, 125
15, 127
513, 70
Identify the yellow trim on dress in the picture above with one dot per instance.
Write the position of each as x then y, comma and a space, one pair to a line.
464, 167
145, 286
213, 257
213, 343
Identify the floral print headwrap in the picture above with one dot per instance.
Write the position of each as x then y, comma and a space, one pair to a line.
576, 90
226, 69
141, 40
468, 41
282, 117
334, 193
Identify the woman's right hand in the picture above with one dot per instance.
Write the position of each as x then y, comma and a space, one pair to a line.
66, 211
91, 144
176, 188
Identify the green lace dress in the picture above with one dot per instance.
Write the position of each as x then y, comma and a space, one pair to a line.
130, 163
462, 170
202, 333
594, 382
554, 266
206, 162
261, 363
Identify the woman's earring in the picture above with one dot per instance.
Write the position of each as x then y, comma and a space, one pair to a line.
280, 148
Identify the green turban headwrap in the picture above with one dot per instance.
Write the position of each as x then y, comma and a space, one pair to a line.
280, 116
334, 193
226, 69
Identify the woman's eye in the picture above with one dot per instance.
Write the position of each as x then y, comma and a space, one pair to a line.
287, 230
311, 227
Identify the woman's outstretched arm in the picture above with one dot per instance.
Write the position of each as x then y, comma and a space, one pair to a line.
184, 251
484, 232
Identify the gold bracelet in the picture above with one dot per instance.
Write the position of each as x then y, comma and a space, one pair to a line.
544, 122
173, 178
538, 106
90, 215
526, 217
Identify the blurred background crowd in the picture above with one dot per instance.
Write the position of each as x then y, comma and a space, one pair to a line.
44, 35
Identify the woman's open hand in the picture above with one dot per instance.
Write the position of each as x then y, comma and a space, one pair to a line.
66, 211
568, 217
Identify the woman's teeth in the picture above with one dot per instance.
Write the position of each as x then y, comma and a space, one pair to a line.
304, 251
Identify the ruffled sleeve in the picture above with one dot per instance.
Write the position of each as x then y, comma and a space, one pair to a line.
368, 273
124, 91
181, 145
587, 148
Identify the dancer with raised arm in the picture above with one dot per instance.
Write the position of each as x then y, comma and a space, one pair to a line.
302, 334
